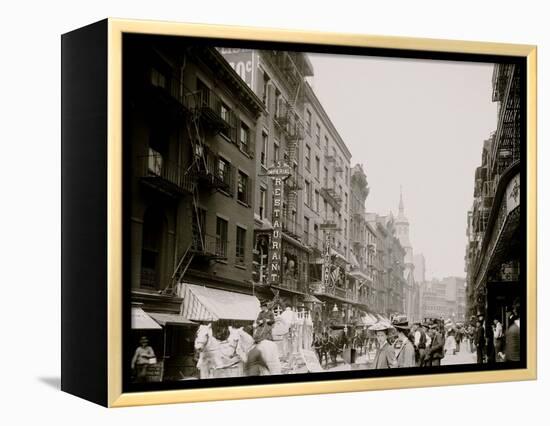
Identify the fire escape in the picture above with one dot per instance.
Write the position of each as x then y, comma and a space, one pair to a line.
287, 117
207, 116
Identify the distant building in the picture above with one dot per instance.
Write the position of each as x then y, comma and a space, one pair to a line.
411, 302
389, 280
444, 299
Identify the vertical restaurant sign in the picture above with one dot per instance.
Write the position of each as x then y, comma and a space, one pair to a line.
327, 264
279, 172
242, 61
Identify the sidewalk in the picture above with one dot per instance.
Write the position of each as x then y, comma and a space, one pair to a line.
462, 357
362, 362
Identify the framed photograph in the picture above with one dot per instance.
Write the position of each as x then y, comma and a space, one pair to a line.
255, 212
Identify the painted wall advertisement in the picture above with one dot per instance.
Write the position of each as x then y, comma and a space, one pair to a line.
242, 61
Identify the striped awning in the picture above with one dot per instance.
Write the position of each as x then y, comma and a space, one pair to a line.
163, 319
142, 321
208, 304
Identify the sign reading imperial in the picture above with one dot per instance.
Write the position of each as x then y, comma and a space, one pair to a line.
278, 173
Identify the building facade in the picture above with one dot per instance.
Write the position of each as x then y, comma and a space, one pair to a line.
495, 281
281, 238
444, 299
362, 238
389, 280
189, 126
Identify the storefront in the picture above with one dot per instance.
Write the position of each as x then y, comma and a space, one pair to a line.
499, 285
143, 326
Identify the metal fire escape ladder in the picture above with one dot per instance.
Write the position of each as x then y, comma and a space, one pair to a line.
181, 268
292, 143
197, 143
199, 163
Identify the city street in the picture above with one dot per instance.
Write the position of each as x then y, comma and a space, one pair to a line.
462, 357
363, 361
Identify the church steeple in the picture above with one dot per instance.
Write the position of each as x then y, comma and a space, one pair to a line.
401, 216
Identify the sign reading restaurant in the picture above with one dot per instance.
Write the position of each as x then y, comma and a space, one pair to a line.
279, 172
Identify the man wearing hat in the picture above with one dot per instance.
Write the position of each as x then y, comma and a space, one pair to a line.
143, 357
422, 341
435, 352
264, 323
405, 355
385, 354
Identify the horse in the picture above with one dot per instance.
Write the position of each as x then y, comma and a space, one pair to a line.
228, 358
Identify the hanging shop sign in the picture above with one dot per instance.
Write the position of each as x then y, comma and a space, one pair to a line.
326, 276
512, 194
278, 173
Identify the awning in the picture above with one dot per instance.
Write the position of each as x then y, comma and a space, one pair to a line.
164, 319
310, 298
209, 304
360, 275
142, 321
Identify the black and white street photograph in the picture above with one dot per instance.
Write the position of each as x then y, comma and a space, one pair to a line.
293, 212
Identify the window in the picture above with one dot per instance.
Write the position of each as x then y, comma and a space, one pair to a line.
245, 138
318, 134
346, 201
317, 201
263, 155
265, 91
306, 230
308, 157
278, 102
240, 245
204, 93
317, 168
345, 228
242, 188
308, 122
224, 170
276, 151
221, 237
326, 145
262, 203
225, 114
347, 175
158, 79
316, 234
308, 193
325, 178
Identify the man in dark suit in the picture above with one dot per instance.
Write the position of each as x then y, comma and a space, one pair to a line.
480, 340
264, 323
435, 352
385, 354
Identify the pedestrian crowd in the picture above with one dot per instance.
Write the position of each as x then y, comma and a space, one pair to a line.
425, 344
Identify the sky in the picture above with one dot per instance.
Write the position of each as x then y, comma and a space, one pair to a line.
419, 124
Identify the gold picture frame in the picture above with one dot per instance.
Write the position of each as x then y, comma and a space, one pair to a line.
115, 397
